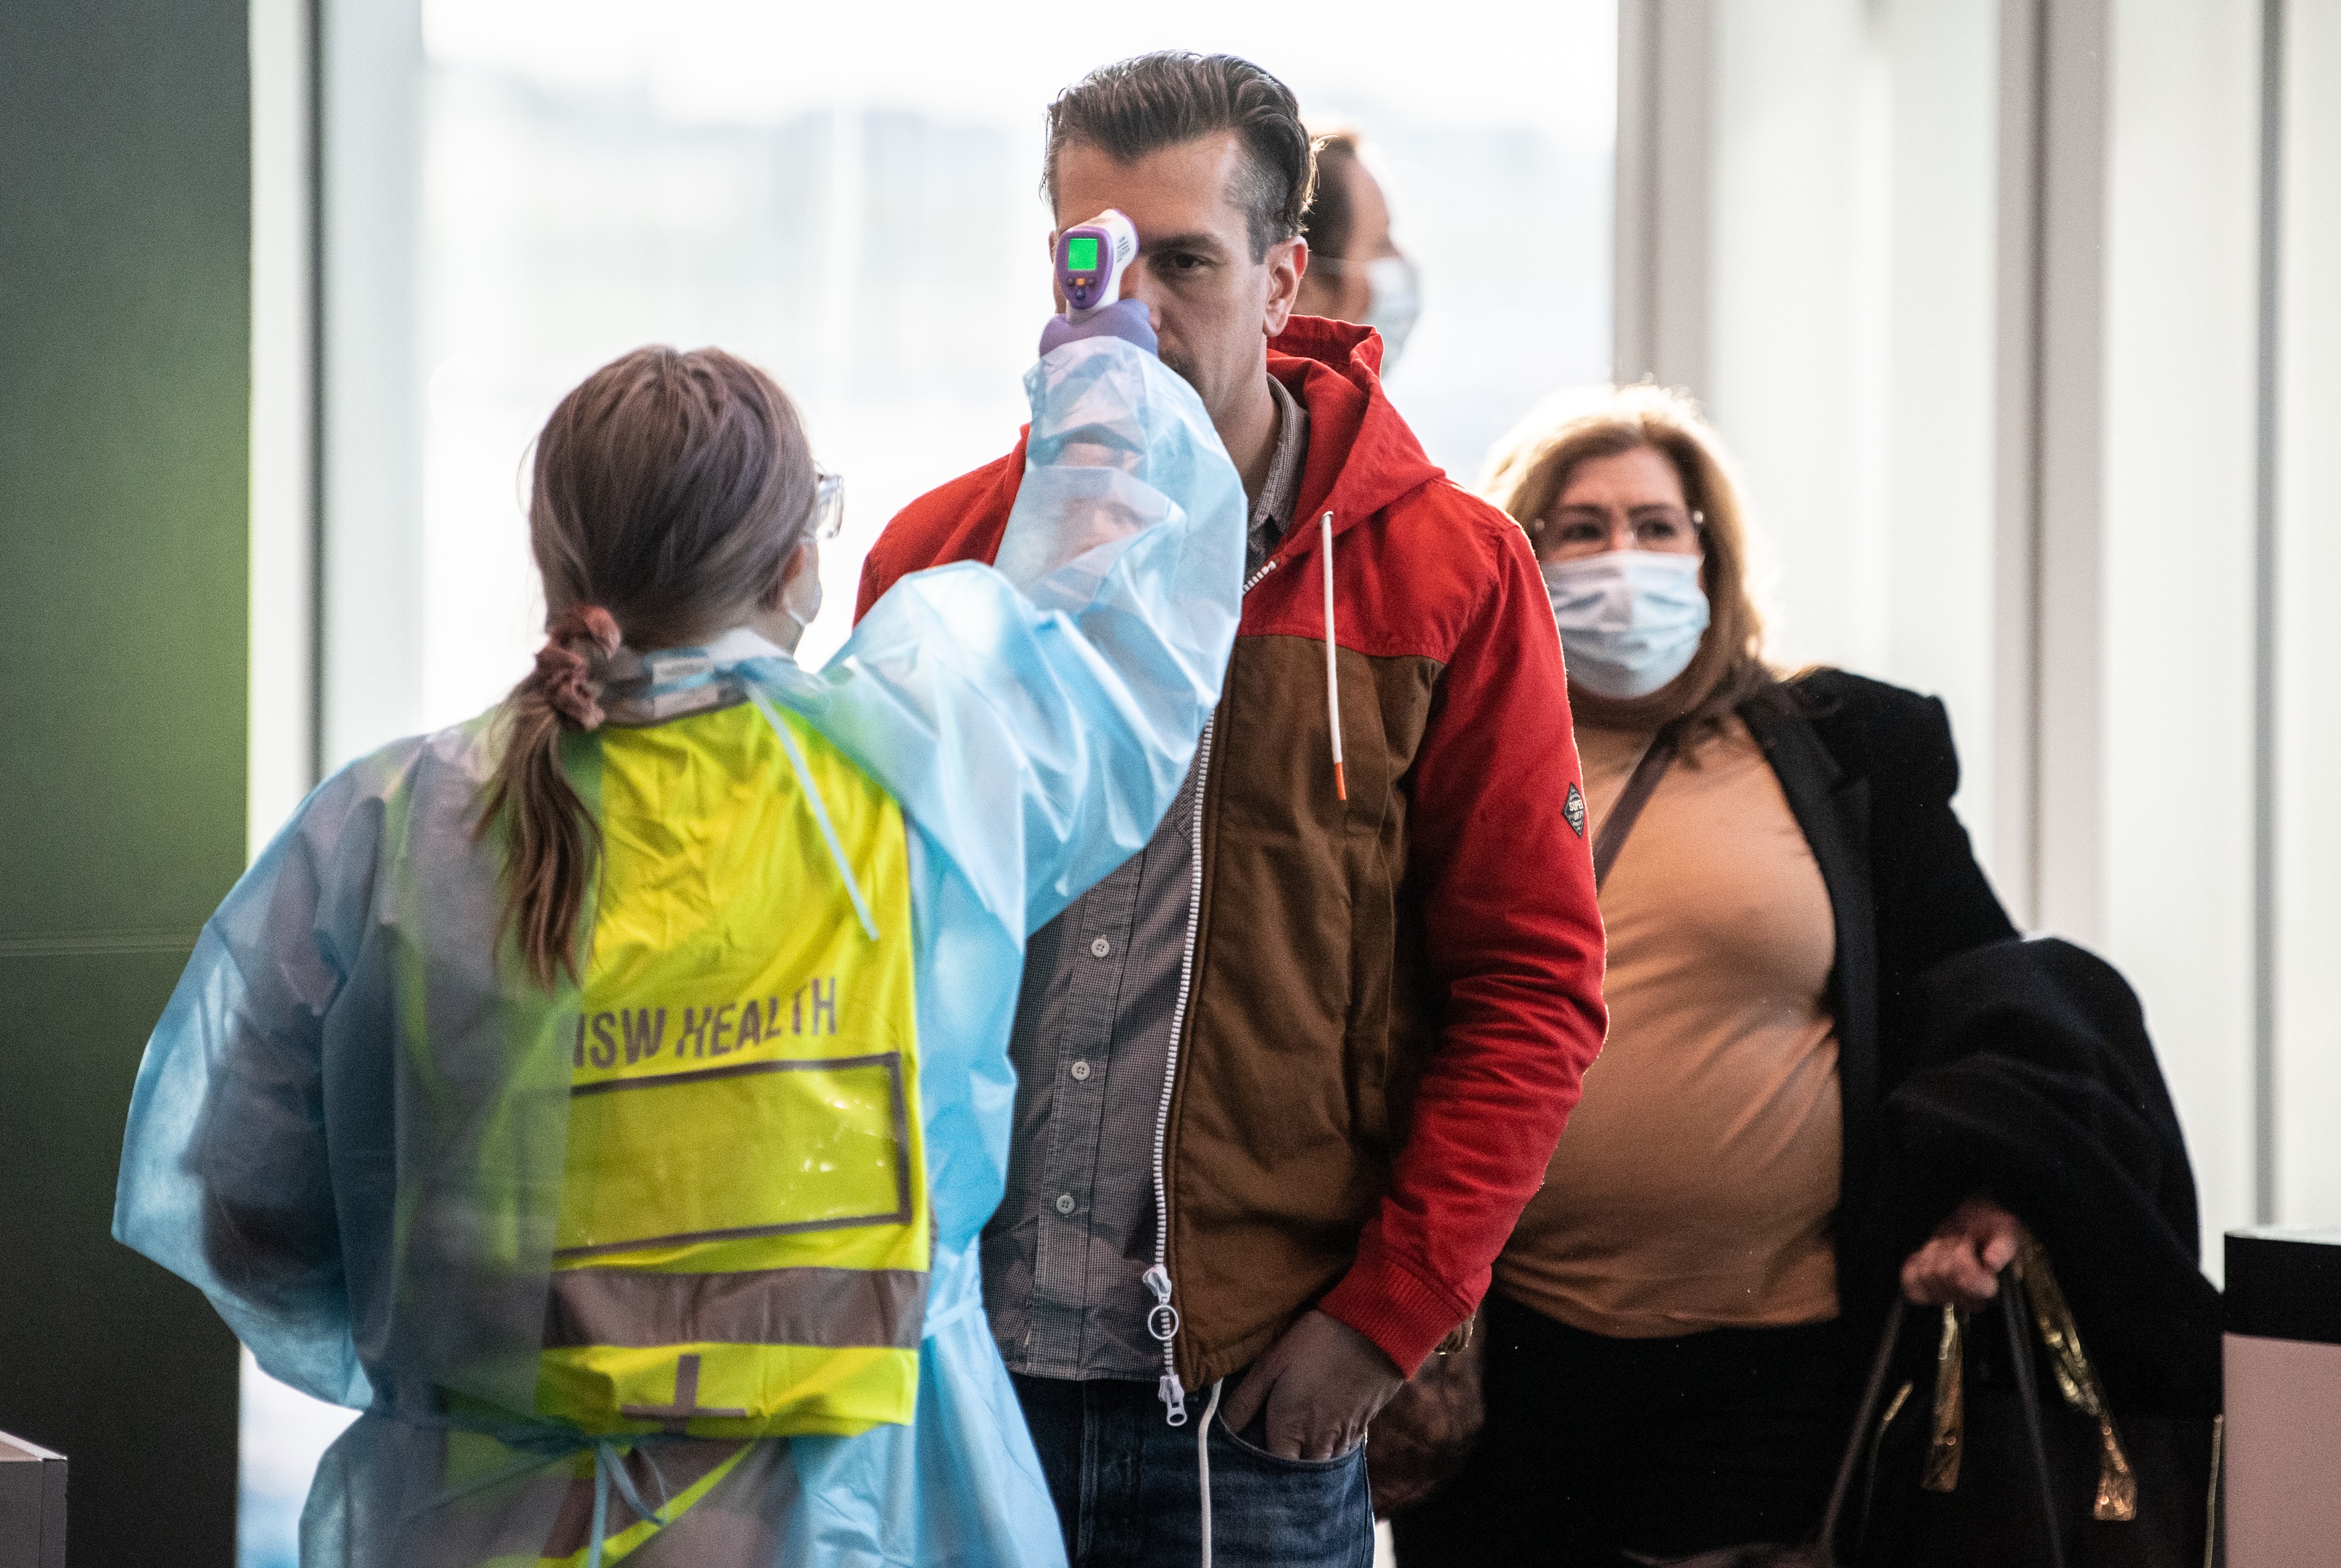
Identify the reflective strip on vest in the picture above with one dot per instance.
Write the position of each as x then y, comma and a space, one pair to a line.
742, 1242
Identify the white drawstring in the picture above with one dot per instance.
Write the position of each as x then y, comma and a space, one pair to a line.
1333, 667
609, 1470
1203, 1464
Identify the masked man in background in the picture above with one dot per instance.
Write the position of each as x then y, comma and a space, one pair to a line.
1288, 1077
1356, 271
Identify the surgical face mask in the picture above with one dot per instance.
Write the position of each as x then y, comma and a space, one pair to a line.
801, 601
1393, 301
1630, 620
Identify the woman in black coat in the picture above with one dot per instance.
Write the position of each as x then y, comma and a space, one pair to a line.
1677, 1331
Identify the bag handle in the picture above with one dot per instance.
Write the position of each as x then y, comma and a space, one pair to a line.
2015, 1313
1881, 1364
1656, 758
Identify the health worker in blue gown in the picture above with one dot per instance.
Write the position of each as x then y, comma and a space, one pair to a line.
605, 1095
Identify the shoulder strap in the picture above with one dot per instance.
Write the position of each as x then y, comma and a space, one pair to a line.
820, 810
1656, 758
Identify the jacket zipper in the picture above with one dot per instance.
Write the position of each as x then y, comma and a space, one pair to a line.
1162, 1317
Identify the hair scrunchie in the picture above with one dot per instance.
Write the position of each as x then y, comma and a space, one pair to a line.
565, 674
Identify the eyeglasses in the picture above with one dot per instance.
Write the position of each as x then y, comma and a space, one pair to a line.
827, 505
1576, 530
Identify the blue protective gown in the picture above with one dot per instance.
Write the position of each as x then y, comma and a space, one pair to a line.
339, 1058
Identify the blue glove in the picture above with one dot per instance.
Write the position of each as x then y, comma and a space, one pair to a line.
1124, 319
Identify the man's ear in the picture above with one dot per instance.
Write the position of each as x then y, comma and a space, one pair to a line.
1287, 261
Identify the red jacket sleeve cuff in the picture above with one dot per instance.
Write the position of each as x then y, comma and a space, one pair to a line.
1391, 1305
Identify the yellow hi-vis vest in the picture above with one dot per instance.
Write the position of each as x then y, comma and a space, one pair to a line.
742, 1246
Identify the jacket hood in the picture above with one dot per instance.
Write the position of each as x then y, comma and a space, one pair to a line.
1362, 458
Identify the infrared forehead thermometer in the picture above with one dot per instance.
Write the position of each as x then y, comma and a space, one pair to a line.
1090, 258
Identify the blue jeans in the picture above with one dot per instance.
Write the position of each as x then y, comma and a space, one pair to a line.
1124, 1483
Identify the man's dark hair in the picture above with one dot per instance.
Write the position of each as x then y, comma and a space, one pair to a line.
1333, 214
1140, 106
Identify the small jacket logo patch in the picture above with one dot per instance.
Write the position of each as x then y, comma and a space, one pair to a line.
1574, 809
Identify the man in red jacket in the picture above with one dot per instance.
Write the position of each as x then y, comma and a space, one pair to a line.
1287, 1078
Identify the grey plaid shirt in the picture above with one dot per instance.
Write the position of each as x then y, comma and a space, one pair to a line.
1063, 1257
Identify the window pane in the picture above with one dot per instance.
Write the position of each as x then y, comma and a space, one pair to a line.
852, 202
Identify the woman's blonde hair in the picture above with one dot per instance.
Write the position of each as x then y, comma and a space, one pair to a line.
1530, 468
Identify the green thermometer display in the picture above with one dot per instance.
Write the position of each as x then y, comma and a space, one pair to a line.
1089, 260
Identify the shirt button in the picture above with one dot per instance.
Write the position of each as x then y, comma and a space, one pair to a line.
1082, 1070
1101, 948
1064, 1203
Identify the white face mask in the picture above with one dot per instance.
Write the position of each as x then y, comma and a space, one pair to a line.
1630, 620
801, 601
1393, 301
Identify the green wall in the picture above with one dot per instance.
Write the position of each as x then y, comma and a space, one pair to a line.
124, 365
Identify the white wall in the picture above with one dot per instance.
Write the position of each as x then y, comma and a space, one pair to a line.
2308, 630
2174, 893
279, 761
1850, 335
1797, 301
371, 579
1851, 343
1940, 629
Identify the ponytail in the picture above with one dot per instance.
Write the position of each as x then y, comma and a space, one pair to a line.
554, 843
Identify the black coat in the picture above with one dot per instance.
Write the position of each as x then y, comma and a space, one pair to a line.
1972, 1062
2036, 1083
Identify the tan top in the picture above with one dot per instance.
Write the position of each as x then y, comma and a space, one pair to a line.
1696, 1184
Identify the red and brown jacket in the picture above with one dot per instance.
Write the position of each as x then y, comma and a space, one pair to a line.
1395, 996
